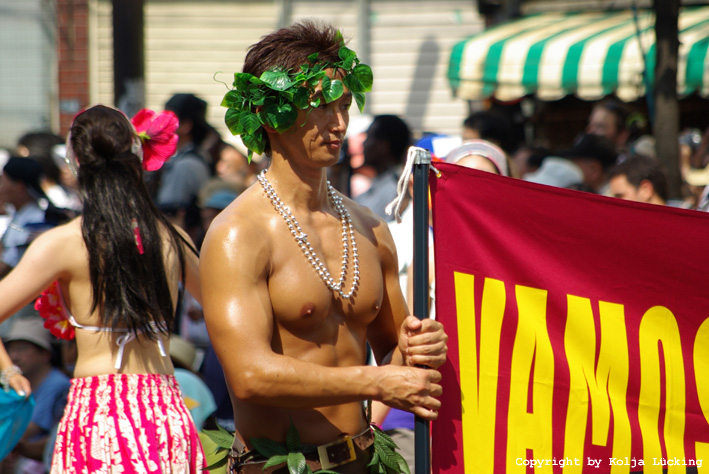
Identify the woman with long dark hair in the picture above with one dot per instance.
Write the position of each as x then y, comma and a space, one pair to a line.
117, 270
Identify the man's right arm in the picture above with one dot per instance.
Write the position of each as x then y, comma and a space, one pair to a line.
234, 268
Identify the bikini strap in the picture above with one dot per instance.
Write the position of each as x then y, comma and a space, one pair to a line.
122, 340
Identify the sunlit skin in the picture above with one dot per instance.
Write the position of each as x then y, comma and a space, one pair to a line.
622, 189
233, 166
291, 348
477, 162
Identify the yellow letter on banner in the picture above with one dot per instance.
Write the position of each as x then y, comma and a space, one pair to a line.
609, 380
701, 377
659, 325
533, 430
479, 389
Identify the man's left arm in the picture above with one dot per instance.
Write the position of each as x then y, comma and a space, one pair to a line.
395, 336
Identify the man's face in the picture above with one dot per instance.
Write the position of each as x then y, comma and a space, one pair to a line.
375, 149
319, 132
603, 123
622, 189
232, 165
29, 357
8, 189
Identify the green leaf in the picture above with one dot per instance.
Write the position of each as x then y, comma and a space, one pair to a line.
258, 99
244, 81
313, 57
288, 95
280, 116
364, 76
332, 89
339, 38
389, 458
360, 100
296, 463
231, 99
314, 79
301, 98
403, 465
384, 439
231, 118
375, 459
215, 456
221, 438
268, 448
214, 468
256, 143
277, 80
292, 438
275, 460
347, 56
249, 122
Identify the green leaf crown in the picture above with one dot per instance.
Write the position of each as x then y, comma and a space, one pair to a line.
279, 94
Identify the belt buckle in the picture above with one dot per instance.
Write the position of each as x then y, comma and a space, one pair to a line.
337, 453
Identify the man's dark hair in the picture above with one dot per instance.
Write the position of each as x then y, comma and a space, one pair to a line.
593, 147
618, 110
491, 127
288, 48
39, 146
190, 107
638, 168
393, 130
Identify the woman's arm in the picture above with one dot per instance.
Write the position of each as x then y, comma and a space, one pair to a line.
43, 262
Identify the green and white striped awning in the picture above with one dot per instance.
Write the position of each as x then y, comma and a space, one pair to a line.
588, 54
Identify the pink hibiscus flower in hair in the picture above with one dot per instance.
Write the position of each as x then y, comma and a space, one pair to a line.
50, 306
157, 133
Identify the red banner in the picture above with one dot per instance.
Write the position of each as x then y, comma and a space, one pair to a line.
579, 330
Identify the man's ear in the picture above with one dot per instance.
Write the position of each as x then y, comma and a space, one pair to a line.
645, 190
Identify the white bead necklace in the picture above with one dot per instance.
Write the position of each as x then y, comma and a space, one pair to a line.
302, 238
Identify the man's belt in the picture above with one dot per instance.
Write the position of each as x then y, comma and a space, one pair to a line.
327, 456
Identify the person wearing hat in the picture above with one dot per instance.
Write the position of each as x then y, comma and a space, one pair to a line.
595, 155
181, 178
197, 395
20, 187
29, 346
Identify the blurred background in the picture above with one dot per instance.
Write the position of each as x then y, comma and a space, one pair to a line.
432, 61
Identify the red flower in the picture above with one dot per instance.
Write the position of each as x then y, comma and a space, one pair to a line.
50, 306
157, 133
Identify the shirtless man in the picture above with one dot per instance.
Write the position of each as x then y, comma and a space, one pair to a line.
293, 348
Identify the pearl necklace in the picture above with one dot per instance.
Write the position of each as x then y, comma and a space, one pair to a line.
302, 238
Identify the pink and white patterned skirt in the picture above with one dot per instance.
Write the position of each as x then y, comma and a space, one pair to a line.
127, 423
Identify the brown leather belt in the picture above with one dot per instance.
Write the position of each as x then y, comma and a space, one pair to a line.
327, 456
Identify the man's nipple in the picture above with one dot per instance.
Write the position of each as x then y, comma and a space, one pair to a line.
307, 310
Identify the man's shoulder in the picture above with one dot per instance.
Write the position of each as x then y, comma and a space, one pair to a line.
367, 220
242, 219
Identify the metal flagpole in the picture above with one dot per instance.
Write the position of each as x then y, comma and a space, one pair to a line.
422, 161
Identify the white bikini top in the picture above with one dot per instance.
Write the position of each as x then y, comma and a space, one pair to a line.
127, 337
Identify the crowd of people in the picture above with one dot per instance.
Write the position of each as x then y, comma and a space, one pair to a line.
190, 304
